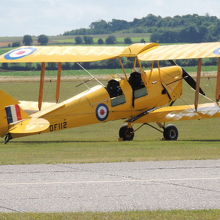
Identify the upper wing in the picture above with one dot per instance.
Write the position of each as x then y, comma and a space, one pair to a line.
40, 54
144, 52
182, 112
181, 51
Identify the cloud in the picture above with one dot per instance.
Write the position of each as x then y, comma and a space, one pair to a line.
52, 17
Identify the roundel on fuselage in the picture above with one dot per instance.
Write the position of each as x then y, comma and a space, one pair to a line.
102, 112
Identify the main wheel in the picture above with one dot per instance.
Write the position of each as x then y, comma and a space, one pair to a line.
126, 133
170, 133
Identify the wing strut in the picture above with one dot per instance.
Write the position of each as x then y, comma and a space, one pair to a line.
41, 90
58, 82
123, 68
218, 83
199, 70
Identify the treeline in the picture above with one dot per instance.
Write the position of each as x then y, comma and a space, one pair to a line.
28, 41
187, 28
190, 34
106, 64
111, 39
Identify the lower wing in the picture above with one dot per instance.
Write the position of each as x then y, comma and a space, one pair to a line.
182, 112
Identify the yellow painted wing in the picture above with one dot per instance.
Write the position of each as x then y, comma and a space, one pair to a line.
40, 54
31, 107
181, 51
144, 52
182, 112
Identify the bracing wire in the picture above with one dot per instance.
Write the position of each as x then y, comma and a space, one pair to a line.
93, 77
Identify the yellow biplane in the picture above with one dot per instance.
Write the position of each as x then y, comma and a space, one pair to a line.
140, 97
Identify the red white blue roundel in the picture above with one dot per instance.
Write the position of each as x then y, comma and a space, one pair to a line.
19, 53
102, 112
217, 51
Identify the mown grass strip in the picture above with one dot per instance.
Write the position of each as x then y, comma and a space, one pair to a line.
92, 71
135, 215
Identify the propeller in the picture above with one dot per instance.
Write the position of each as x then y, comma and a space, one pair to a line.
188, 78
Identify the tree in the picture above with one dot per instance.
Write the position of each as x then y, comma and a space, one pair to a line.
78, 40
100, 41
16, 44
42, 39
127, 40
110, 39
88, 40
165, 36
27, 40
117, 25
99, 27
5, 66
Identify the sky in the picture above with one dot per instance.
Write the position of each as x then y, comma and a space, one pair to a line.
54, 17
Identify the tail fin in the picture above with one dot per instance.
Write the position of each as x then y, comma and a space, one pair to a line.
10, 112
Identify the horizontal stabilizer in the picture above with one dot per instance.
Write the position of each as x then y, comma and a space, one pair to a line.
29, 126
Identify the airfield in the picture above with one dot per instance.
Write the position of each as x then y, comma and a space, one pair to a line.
70, 173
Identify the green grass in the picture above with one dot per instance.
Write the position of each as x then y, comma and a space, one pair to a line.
204, 68
120, 40
198, 139
92, 71
64, 72
135, 215
135, 37
4, 50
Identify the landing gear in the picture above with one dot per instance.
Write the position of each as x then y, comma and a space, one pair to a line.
170, 133
126, 133
8, 137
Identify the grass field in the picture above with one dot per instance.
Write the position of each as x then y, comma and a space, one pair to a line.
198, 139
64, 73
137, 215
120, 39
4, 50
135, 37
92, 71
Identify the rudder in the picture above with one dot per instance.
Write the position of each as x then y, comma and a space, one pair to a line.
10, 112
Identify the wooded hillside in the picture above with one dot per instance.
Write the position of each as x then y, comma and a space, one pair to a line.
187, 28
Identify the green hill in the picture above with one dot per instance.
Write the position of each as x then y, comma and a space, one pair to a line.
187, 28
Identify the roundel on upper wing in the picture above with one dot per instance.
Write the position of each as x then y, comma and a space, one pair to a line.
102, 112
217, 51
20, 53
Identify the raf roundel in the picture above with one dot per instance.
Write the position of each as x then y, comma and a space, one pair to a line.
102, 112
217, 51
20, 53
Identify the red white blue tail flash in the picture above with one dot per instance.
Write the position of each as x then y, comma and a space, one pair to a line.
13, 113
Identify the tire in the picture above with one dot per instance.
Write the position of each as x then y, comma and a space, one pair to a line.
170, 133
126, 133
